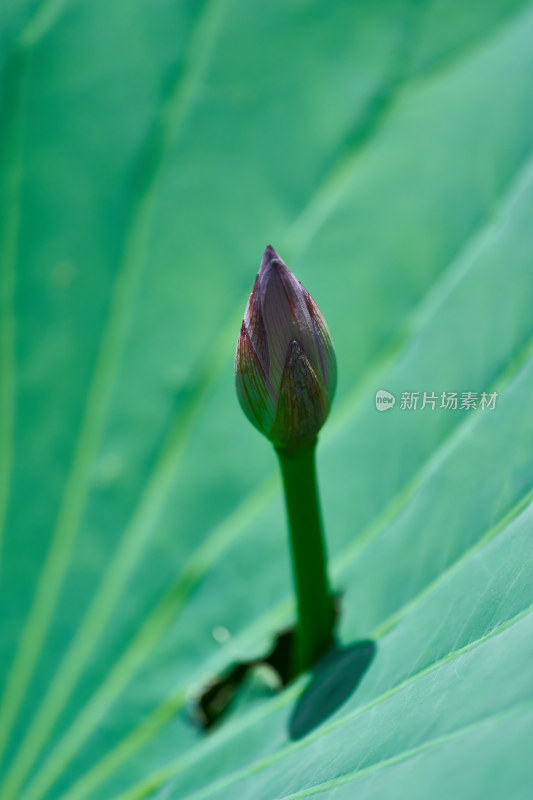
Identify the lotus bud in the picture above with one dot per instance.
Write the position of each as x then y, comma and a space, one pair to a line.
285, 366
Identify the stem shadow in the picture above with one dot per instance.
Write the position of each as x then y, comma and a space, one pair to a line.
335, 679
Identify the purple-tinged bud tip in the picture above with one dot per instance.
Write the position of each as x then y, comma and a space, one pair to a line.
285, 366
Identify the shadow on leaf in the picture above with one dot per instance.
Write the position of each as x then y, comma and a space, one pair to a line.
334, 681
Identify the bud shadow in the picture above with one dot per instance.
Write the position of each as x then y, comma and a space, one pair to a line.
334, 681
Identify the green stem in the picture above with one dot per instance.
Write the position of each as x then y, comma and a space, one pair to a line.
316, 614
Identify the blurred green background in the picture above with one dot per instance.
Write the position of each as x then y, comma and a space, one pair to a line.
149, 151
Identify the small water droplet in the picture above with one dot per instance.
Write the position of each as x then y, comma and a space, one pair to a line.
220, 634
109, 469
62, 275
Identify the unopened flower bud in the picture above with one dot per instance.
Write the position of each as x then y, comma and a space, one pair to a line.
285, 367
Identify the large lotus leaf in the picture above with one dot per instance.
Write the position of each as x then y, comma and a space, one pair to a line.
149, 151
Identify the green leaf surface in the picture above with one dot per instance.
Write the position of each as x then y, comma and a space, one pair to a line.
149, 150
